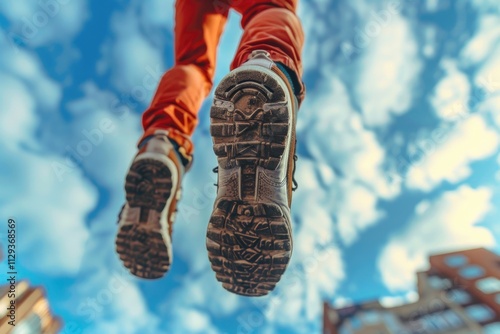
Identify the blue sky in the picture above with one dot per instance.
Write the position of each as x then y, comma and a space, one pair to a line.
399, 146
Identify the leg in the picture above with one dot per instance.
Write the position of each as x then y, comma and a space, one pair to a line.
199, 25
249, 236
154, 179
274, 27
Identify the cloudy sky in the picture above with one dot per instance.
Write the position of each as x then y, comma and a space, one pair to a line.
399, 156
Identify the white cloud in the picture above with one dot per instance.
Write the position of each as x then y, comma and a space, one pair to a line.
101, 136
39, 23
497, 175
315, 31
158, 12
449, 150
17, 120
196, 301
114, 304
201, 291
311, 207
483, 51
348, 161
27, 68
50, 214
53, 228
448, 158
446, 224
429, 46
488, 76
486, 6
341, 302
481, 45
451, 94
432, 5
135, 64
340, 139
357, 210
387, 78
192, 321
490, 107
325, 198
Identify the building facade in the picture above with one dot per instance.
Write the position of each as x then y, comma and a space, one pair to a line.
32, 313
459, 294
27, 308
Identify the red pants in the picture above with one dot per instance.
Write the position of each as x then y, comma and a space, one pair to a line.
269, 25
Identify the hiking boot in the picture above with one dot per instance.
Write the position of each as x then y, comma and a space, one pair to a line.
152, 188
249, 236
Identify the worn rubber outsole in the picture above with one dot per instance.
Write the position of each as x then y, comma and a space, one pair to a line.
140, 243
249, 243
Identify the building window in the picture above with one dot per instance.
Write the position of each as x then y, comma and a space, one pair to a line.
489, 285
493, 328
392, 322
480, 313
355, 322
435, 322
345, 330
32, 324
453, 319
439, 283
471, 272
455, 261
370, 317
459, 296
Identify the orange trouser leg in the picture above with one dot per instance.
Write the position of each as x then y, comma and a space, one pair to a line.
270, 25
182, 89
273, 26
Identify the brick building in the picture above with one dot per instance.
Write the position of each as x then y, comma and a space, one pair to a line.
32, 310
459, 294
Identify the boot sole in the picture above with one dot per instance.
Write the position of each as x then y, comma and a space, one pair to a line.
142, 243
249, 243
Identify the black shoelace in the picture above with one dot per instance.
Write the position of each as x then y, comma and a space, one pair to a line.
216, 171
294, 182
